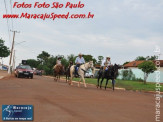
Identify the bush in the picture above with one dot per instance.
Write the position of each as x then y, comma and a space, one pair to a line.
127, 75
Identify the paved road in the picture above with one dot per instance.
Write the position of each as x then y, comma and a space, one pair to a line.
59, 102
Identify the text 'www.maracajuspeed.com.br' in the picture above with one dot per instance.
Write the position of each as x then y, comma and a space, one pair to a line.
52, 16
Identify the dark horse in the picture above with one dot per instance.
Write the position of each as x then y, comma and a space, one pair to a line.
109, 74
58, 70
68, 71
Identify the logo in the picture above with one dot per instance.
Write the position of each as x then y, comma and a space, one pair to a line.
17, 112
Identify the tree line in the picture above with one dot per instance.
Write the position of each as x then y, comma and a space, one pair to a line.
45, 61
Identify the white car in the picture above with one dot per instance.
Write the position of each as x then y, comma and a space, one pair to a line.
89, 74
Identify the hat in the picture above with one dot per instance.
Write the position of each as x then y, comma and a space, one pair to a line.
59, 57
80, 54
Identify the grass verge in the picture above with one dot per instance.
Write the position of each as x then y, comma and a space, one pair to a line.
128, 85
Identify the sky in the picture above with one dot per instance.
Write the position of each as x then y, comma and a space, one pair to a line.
121, 29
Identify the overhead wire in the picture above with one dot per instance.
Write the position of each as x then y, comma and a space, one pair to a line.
8, 26
11, 13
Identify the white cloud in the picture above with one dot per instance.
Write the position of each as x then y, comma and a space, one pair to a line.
123, 29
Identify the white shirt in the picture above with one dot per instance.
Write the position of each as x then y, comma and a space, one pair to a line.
58, 62
106, 63
80, 60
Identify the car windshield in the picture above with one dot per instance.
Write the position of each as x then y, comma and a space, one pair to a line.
25, 67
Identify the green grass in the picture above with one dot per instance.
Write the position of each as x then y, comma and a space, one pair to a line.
128, 85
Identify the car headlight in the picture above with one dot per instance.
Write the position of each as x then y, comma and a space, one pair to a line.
31, 72
20, 71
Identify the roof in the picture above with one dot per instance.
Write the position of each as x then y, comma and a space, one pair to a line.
97, 66
136, 63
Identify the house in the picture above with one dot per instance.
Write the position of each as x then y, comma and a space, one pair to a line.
133, 66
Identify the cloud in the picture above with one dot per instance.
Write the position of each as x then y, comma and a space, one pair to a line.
123, 29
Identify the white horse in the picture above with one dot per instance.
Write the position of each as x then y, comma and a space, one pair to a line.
81, 71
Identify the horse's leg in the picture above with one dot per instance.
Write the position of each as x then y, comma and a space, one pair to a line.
79, 82
113, 84
101, 82
70, 82
54, 75
66, 77
82, 77
106, 83
56, 78
98, 80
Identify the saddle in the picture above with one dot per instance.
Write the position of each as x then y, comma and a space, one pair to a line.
81, 69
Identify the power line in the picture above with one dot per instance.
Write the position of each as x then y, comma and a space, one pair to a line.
11, 13
7, 22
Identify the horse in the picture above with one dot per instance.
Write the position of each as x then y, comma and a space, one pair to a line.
58, 70
81, 71
111, 73
68, 73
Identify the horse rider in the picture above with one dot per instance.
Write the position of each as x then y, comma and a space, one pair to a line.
70, 64
58, 62
79, 61
106, 63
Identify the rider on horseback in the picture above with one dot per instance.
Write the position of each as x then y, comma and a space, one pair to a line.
79, 60
58, 62
106, 63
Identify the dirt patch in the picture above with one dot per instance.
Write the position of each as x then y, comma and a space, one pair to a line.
5, 75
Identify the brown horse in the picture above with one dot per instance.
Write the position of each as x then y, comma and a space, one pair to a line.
58, 70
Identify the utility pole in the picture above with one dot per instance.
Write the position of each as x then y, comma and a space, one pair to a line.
13, 64
12, 48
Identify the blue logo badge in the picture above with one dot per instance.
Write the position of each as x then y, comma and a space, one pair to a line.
17, 112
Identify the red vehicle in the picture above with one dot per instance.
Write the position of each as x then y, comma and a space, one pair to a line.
24, 71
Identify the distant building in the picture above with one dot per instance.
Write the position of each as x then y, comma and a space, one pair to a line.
133, 65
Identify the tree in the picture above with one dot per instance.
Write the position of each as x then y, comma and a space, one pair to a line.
65, 62
151, 57
43, 57
140, 58
4, 51
48, 65
127, 74
71, 57
100, 58
33, 63
147, 67
126, 62
148, 58
89, 58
